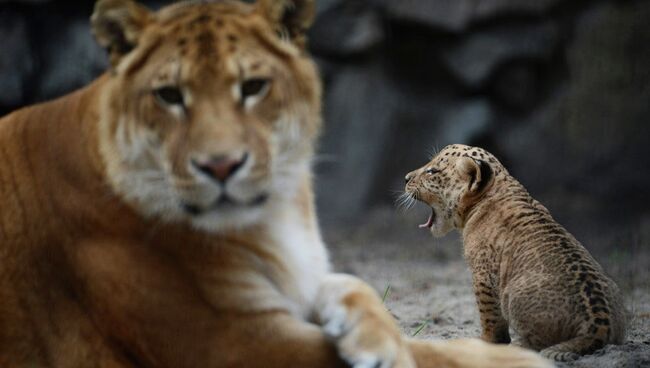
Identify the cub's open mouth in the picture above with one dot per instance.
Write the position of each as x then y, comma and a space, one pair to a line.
430, 221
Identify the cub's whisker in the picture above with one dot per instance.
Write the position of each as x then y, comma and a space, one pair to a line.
405, 201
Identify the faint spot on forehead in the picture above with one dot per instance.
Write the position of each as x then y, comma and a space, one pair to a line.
204, 35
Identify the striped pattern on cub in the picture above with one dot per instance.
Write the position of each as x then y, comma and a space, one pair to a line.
529, 273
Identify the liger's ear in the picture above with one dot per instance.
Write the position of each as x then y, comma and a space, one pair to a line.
291, 18
117, 25
478, 173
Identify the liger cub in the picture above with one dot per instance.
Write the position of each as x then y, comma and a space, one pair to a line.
529, 273
163, 215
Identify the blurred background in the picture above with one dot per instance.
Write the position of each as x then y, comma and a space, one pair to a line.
559, 90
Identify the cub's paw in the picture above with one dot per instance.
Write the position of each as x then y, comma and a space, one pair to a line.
354, 318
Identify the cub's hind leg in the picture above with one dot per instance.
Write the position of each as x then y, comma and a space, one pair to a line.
592, 335
562, 328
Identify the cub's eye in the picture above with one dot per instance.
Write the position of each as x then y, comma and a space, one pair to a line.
253, 87
432, 171
169, 95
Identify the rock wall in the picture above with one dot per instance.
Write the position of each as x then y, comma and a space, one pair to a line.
558, 89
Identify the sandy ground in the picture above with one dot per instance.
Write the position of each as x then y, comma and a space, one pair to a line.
427, 285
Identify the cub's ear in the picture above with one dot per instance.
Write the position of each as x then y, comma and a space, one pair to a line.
117, 25
478, 173
291, 18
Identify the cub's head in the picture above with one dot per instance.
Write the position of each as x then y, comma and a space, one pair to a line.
451, 183
211, 108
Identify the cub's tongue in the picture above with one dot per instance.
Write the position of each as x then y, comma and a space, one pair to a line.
429, 222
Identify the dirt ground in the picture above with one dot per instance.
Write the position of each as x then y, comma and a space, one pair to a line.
427, 285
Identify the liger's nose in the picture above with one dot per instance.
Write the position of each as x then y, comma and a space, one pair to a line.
220, 168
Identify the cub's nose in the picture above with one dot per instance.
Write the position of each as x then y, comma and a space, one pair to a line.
220, 168
408, 178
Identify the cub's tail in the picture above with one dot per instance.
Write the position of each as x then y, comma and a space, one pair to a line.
572, 349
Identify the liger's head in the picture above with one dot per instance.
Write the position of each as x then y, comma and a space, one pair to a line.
211, 108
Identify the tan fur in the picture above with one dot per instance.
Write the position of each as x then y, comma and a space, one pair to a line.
528, 272
117, 251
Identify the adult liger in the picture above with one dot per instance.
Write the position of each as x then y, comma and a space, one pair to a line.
163, 215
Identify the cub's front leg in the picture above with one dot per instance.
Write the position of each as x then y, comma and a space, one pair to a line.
494, 326
355, 320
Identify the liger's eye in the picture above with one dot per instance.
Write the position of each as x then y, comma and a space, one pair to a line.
253, 87
169, 95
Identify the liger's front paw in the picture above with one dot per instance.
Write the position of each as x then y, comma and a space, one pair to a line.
354, 318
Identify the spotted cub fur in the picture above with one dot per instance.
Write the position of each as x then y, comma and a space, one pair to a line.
529, 273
